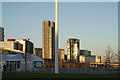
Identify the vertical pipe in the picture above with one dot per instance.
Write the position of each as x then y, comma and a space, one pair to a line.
56, 36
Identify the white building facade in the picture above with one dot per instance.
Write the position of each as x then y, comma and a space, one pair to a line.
17, 63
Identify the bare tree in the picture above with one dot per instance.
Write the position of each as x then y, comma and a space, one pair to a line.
114, 57
110, 56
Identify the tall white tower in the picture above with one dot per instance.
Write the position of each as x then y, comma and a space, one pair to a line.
56, 37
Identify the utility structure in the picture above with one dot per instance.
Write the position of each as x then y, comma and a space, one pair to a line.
56, 37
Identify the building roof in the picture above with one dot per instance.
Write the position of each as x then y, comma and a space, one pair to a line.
20, 56
11, 57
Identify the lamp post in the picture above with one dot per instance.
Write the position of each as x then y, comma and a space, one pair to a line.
56, 37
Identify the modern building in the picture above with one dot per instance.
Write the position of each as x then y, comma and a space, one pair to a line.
27, 46
37, 52
93, 59
1, 34
22, 45
89, 59
85, 56
11, 44
73, 49
85, 52
82, 59
48, 40
61, 54
98, 59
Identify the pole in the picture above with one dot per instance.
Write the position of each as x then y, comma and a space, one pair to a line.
85, 65
25, 62
56, 37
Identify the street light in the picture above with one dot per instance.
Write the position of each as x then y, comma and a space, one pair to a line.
56, 37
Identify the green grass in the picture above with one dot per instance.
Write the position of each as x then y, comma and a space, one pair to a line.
51, 75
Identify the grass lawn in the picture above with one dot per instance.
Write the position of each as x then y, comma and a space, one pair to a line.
52, 75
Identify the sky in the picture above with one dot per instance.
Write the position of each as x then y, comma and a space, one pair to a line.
60, 0
94, 23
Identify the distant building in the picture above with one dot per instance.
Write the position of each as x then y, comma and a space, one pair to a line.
11, 44
1, 34
98, 59
73, 49
61, 53
22, 45
85, 52
82, 59
89, 59
93, 59
38, 52
27, 46
48, 40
